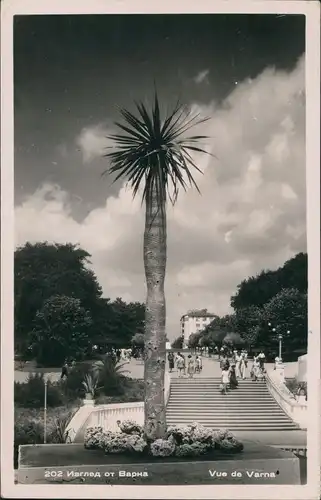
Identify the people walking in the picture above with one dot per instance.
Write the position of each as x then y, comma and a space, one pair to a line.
255, 369
238, 360
242, 366
190, 366
233, 380
225, 379
261, 359
224, 362
170, 358
180, 363
64, 370
198, 364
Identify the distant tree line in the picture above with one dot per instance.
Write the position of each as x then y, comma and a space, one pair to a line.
266, 305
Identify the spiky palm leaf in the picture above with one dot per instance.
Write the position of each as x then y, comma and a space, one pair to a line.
156, 151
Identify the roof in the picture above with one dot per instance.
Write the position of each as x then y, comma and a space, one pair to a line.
202, 313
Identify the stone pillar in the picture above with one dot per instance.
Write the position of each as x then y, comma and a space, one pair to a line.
279, 368
89, 402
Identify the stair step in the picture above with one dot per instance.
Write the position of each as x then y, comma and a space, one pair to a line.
234, 425
240, 425
227, 418
220, 397
261, 411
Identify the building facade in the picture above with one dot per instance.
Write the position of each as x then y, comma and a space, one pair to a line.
194, 321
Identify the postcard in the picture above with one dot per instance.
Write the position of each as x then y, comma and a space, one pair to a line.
160, 255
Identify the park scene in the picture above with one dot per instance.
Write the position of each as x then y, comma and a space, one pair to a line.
80, 362
160, 264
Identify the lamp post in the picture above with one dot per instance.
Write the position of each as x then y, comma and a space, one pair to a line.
45, 414
280, 338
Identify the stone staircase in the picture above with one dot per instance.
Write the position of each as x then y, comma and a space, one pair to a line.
249, 407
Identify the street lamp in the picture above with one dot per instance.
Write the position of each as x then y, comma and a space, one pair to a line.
45, 414
280, 346
280, 338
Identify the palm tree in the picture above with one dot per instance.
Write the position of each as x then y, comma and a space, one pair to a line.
155, 152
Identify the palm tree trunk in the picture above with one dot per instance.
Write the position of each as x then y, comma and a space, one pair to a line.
155, 317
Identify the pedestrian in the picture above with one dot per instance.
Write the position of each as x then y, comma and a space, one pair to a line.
225, 379
198, 364
180, 363
255, 369
261, 359
224, 362
64, 370
233, 380
170, 358
190, 366
238, 359
242, 366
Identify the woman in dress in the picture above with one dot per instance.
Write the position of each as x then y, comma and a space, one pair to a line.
255, 369
238, 359
190, 366
180, 363
233, 380
170, 358
225, 379
242, 366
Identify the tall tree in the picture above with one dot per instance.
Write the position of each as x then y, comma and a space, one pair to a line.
260, 289
43, 270
154, 154
287, 313
178, 342
61, 330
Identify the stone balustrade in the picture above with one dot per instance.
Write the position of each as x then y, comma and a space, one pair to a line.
296, 410
106, 416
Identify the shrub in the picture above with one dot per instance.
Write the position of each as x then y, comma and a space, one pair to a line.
162, 447
113, 442
191, 450
133, 391
28, 433
29, 428
130, 427
95, 438
31, 394
72, 386
110, 375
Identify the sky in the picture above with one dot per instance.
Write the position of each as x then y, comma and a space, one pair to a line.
245, 72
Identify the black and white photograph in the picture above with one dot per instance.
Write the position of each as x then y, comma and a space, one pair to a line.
161, 256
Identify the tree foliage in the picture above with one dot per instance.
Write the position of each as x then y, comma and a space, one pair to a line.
61, 330
260, 289
178, 342
44, 270
288, 314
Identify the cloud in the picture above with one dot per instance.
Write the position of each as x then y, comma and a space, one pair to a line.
202, 76
92, 142
251, 214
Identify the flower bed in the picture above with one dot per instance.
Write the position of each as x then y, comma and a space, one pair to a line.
180, 441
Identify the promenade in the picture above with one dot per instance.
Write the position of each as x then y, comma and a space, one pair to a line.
211, 368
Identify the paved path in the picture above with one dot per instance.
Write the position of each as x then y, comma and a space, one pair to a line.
135, 369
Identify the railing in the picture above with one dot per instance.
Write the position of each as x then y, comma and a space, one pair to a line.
106, 416
295, 410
